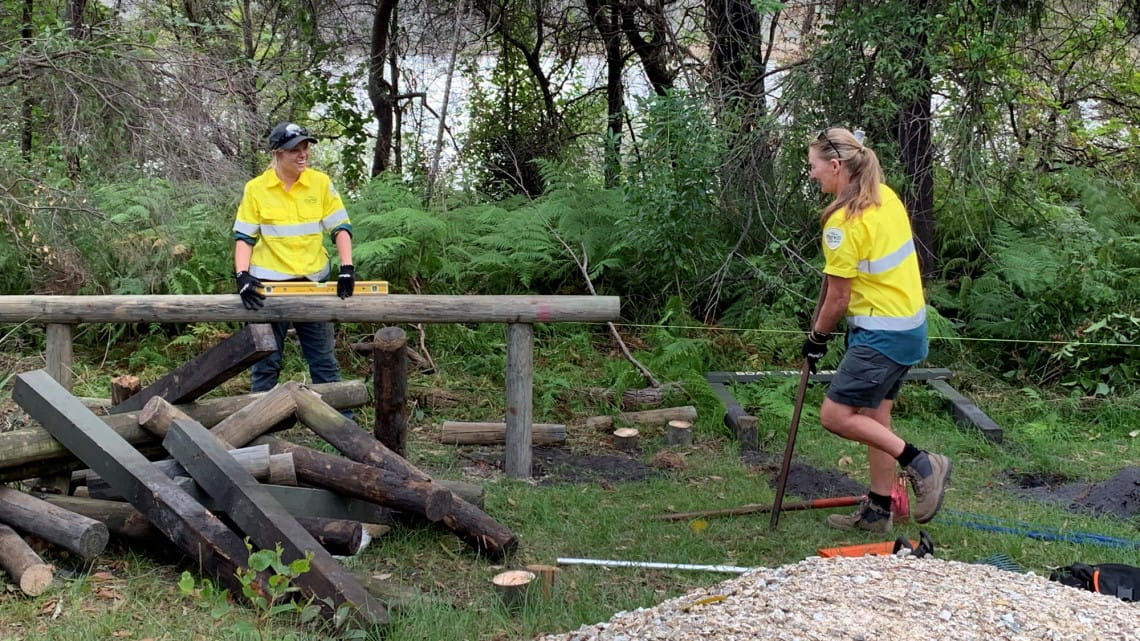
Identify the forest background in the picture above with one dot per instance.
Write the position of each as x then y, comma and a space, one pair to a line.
674, 176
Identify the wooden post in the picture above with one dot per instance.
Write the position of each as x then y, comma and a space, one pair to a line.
520, 395
207, 370
679, 433
747, 433
390, 380
22, 564
267, 523
547, 575
84, 536
625, 439
124, 387
258, 417
59, 355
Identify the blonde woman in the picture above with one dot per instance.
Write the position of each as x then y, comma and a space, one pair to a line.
873, 281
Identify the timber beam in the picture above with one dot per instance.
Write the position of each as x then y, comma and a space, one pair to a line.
397, 308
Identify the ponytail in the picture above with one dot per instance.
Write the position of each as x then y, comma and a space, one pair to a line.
861, 162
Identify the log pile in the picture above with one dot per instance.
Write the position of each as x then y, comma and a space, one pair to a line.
207, 475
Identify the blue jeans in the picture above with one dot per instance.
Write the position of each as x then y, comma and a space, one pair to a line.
318, 345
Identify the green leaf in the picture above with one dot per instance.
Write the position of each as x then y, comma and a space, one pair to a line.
186, 583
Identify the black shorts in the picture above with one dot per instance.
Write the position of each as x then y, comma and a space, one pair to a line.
865, 377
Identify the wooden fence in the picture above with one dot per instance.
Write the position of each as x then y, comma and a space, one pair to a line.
61, 313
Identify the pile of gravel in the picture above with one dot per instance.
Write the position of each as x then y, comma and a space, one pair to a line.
877, 598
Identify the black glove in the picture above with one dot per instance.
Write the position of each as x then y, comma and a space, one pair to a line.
814, 348
247, 289
346, 281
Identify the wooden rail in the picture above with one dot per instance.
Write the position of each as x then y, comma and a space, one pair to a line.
519, 313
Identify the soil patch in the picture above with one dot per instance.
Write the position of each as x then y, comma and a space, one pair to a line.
1118, 496
804, 481
553, 466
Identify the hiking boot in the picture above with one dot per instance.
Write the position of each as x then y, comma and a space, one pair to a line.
868, 517
928, 474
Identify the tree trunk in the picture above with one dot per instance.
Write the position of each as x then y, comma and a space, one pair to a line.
607, 20
914, 136
380, 90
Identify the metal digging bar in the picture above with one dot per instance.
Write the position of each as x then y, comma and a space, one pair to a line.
805, 374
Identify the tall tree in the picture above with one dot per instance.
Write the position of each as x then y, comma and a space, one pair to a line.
381, 91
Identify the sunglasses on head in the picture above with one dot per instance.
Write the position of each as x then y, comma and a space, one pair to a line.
823, 137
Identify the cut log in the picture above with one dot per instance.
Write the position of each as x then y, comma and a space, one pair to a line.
468, 433
390, 381
32, 452
632, 398
418, 495
124, 387
679, 433
383, 487
209, 369
468, 522
255, 459
121, 518
747, 432
281, 470
513, 587
600, 423
625, 439
215, 548
267, 523
22, 564
257, 418
646, 417
336, 536
80, 534
660, 416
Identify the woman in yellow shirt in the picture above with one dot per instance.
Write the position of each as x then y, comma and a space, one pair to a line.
873, 280
278, 236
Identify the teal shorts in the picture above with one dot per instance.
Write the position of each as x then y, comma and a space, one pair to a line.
865, 377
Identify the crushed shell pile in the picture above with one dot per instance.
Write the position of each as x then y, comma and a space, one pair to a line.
876, 598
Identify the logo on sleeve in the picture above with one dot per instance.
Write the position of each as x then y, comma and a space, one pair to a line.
833, 238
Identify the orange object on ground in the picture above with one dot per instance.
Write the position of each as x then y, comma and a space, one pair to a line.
875, 549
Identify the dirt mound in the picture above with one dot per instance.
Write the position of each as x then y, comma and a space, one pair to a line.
1118, 496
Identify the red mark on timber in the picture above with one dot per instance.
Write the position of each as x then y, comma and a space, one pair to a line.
543, 313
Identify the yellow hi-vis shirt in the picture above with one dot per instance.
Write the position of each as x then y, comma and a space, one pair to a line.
286, 226
876, 251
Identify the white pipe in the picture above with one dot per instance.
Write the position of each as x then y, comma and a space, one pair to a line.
650, 564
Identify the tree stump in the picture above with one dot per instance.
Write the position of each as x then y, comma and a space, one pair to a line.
625, 439
124, 387
513, 586
546, 575
679, 433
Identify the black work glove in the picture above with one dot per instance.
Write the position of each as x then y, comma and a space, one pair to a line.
814, 348
346, 281
247, 289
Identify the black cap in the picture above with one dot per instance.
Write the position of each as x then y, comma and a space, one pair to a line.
287, 135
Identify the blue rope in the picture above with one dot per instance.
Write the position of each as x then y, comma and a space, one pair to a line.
1008, 526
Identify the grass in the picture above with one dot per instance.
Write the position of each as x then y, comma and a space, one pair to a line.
132, 594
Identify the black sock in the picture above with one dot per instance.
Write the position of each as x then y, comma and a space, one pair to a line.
880, 501
908, 454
